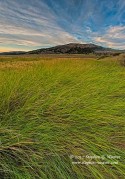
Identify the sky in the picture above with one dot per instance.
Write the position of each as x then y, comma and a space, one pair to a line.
32, 24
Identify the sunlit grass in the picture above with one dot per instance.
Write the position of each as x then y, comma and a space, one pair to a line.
54, 108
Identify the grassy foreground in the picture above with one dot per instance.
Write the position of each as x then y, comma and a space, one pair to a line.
53, 111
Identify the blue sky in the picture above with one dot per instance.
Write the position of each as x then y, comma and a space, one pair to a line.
32, 24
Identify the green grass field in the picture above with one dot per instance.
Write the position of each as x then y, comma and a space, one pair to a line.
54, 110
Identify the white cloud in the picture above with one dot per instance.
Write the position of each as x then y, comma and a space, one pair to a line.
113, 37
30, 26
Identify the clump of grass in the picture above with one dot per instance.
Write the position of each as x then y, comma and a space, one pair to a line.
51, 109
122, 60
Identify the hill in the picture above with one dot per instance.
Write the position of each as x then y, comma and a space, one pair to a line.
71, 48
74, 48
13, 53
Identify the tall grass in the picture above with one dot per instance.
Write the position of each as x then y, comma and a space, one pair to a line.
51, 109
